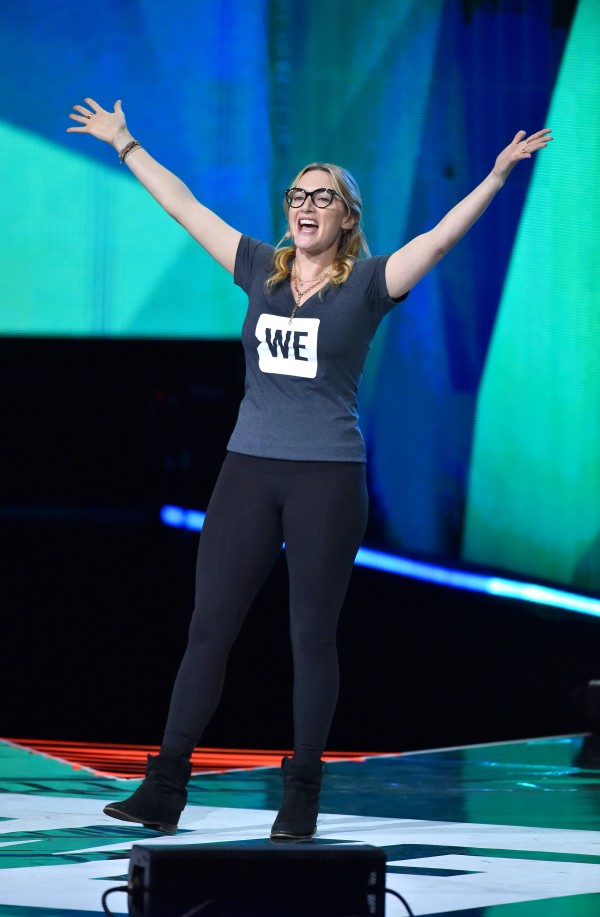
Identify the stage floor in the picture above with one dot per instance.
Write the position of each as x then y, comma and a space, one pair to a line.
503, 830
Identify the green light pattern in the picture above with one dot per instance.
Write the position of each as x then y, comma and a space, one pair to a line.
534, 489
101, 258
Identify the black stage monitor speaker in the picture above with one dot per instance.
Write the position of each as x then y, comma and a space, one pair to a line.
257, 879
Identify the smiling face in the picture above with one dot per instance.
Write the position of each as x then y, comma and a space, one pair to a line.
317, 230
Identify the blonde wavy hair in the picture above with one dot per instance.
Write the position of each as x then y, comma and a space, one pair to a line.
352, 241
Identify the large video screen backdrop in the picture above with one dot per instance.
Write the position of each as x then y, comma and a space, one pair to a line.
481, 399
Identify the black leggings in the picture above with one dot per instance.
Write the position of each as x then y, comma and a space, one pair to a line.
320, 510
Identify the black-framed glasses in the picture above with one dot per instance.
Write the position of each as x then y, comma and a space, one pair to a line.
321, 197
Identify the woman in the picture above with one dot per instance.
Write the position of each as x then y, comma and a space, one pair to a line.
295, 469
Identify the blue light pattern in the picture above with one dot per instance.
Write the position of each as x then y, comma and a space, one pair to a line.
191, 519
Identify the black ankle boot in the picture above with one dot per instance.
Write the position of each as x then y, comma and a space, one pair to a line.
160, 799
297, 817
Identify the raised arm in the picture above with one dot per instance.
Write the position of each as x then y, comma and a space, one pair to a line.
215, 235
411, 262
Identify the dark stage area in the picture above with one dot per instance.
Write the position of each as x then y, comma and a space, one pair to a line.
97, 593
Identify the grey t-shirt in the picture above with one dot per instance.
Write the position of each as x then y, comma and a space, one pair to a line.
302, 378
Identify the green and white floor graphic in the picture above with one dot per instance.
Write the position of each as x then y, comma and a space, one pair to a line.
506, 830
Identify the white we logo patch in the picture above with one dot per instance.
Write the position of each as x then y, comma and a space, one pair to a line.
290, 350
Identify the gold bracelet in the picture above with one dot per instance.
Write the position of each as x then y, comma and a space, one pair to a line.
129, 148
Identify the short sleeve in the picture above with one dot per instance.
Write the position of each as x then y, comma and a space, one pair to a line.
381, 301
251, 258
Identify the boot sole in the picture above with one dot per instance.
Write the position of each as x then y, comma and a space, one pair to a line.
163, 827
283, 836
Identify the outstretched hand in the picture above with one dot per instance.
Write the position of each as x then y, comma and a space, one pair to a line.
95, 120
522, 147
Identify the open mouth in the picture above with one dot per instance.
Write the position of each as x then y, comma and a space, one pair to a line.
307, 226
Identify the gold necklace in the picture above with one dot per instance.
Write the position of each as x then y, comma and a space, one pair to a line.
299, 294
